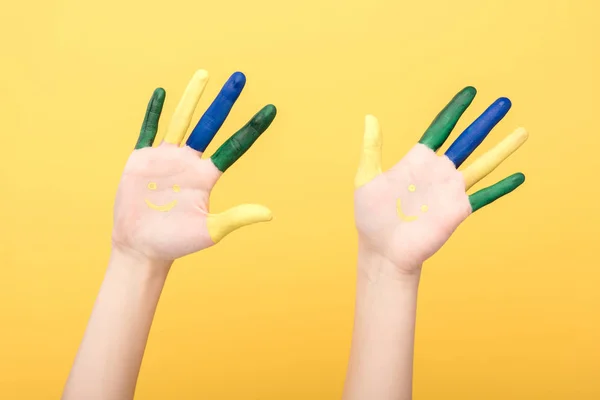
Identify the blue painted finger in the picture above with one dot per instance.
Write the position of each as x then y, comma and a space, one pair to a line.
472, 137
213, 118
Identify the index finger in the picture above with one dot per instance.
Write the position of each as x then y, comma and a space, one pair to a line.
242, 140
443, 124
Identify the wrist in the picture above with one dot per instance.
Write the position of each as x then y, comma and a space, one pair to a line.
375, 267
137, 265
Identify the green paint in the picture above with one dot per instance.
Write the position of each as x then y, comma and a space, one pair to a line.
150, 124
490, 194
441, 127
241, 141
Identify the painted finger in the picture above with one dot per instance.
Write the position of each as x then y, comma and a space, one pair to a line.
472, 137
150, 124
490, 194
443, 124
213, 118
490, 160
242, 140
220, 225
186, 107
370, 161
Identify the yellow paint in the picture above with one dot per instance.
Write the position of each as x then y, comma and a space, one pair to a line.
184, 112
268, 301
370, 163
404, 217
493, 158
166, 207
163, 208
409, 218
220, 225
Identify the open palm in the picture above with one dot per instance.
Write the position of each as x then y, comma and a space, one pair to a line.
407, 213
162, 204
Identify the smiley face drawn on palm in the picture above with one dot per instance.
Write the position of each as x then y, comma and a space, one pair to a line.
390, 209
177, 225
165, 207
409, 218
162, 203
407, 213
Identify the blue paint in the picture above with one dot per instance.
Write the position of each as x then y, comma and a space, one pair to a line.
213, 118
472, 137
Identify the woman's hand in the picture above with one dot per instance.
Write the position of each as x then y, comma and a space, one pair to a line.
403, 216
406, 214
162, 205
161, 213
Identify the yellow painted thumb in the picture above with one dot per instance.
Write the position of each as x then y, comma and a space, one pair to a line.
221, 225
370, 161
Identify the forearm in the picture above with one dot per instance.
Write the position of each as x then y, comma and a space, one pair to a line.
381, 357
110, 355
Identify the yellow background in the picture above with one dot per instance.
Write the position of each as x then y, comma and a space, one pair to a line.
508, 309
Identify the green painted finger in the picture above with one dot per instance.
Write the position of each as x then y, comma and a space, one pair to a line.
441, 127
150, 124
241, 141
490, 194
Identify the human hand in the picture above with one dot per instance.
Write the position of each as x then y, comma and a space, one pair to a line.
162, 204
406, 214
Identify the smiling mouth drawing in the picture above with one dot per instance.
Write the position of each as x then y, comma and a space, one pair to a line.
404, 217
166, 207
163, 208
409, 218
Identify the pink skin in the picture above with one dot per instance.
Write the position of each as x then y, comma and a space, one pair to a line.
158, 235
438, 185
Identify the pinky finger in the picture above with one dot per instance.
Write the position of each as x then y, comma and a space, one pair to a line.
490, 194
150, 124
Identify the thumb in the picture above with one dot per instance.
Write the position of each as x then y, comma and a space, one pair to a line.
370, 162
222, 224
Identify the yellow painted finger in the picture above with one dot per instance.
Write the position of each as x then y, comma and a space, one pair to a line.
186, 107
370, 162
220, 225
490, 160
